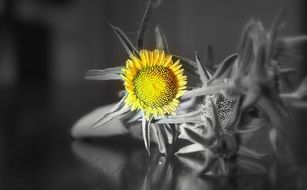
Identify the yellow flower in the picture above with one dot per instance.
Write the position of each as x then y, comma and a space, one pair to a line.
153, 83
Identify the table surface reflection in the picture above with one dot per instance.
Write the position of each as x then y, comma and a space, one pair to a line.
37, 152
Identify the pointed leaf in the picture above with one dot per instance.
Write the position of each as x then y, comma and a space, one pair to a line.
191, 162
146, 133
273, 139
223, 167
224, 67
245, 35
302, 89
135, 117
106, 74
110, 116
204, 77
258, 36
273, 33
250, 130
160, 138
190, 149
251, 153
186, 104
126, 43
169, 133
189, 66
251, 166
294, 40
172, 120
245, 59
161, 42
188, 114
117, 110
195, 137
210, 90
287, 71
290, 46
190, 63
259, 68
147, 15
209, 162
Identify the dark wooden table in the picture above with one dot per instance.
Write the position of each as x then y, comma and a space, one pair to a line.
37, 151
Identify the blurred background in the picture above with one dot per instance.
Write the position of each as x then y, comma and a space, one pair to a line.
47, 45
55, 41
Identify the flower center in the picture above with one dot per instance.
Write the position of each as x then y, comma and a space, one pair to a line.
155, 85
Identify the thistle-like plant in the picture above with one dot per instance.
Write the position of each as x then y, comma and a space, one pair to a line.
153, 80
209, 125
244, 97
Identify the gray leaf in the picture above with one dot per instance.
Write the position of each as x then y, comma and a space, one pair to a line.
117, 110
136, 116
273, 33
223, 167
106, 74
224, 67
169, 133
251, 130
251, 153
189, 66
126, 43
195, 137
160, 138
299, 94
209, 162
190, 113
190, 149
287, 71
210, 90
177, 120
245, 59
147, 15
191, 163
204, 77
161, 42
245, 36
146, 133
290, 46
251, 166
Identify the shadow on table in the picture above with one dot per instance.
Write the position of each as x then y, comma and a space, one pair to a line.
127, 166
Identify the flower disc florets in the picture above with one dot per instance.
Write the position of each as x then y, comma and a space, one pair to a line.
153, 83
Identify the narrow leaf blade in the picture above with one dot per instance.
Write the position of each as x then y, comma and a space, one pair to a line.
126, 43
204, 77
117, 110
161, 42
146, 133
106, 74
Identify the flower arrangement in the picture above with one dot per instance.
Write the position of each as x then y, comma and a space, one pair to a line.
207, 124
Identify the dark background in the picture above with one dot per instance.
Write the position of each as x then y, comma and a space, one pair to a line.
47, 45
